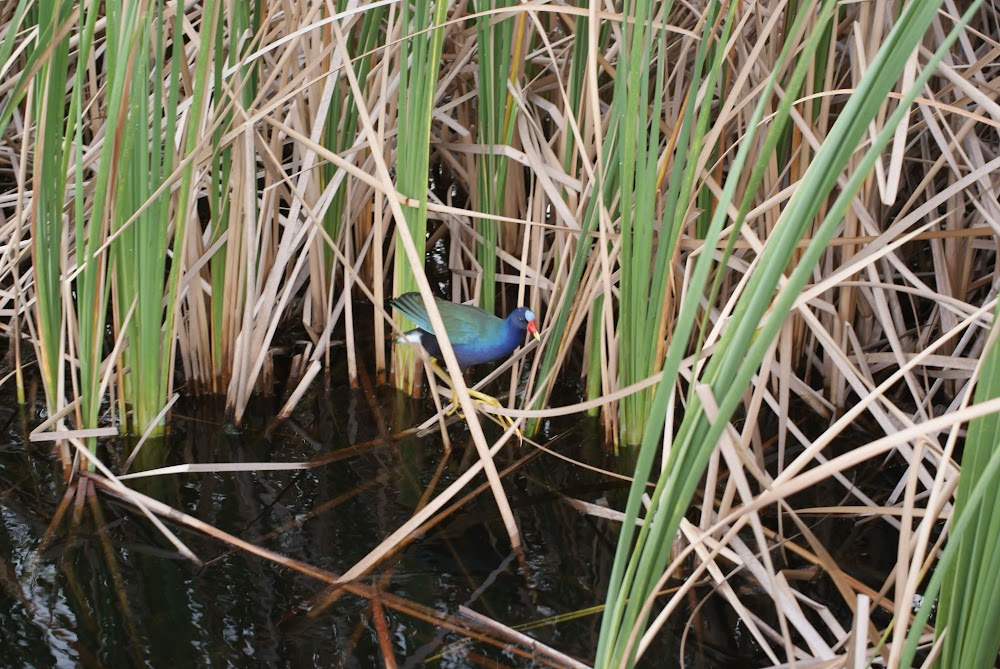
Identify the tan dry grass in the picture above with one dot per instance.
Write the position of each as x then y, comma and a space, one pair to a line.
891, 327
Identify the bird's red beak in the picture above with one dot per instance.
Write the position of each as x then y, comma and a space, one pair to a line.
533, 330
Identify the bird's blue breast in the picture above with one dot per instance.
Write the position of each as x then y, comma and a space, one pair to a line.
495, 346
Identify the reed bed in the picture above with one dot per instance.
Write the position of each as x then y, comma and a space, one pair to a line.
737, 222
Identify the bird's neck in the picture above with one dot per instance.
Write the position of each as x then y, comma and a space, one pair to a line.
511, 331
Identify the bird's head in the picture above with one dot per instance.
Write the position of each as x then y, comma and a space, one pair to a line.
525, 319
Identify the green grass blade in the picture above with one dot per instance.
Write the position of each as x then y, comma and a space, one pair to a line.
421, 55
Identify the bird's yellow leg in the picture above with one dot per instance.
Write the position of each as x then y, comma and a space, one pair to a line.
482, 398
489, 400
446, 378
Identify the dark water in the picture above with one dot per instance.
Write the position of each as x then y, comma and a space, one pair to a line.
107, 590
103, 588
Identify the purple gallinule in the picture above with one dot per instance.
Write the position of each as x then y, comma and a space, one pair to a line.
476, 336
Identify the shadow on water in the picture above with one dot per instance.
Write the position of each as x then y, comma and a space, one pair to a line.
110, 591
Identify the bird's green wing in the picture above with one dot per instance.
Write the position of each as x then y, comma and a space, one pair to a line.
468, 324
465, 323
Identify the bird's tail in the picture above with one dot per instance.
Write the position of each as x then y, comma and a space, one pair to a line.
411, 305
411, 337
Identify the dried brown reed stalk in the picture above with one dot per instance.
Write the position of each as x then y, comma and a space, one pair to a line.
891, 326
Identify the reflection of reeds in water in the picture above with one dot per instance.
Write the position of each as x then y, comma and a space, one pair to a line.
734, 213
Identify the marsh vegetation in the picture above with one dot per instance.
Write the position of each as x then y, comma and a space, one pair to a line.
760, 240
